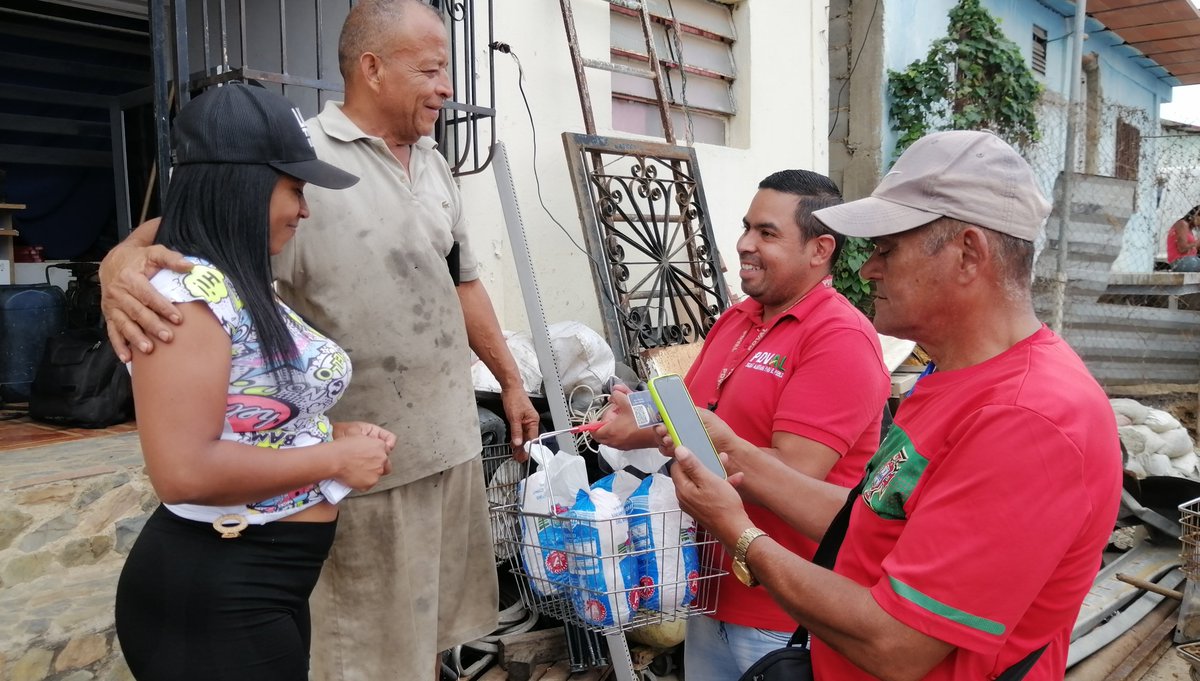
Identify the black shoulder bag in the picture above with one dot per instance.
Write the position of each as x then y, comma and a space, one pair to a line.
794, 663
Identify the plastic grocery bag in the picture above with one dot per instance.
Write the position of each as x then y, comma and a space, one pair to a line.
664, 539
546, 493
599, 556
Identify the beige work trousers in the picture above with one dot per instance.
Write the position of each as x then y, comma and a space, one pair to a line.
411, 573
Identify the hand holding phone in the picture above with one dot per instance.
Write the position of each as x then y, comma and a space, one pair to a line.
682, 422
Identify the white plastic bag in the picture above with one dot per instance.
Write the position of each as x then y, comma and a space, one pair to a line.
548, 492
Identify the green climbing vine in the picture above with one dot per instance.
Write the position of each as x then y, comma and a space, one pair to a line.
974, 78
845, 274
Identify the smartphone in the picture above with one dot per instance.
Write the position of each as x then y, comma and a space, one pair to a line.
682, 422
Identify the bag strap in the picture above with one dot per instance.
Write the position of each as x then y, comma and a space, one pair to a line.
827, 550
1020, 669
826, 556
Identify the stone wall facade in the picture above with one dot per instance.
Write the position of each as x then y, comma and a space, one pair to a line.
68, 516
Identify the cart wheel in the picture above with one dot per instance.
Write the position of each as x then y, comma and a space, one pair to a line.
1195, 674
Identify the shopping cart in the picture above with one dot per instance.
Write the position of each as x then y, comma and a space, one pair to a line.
1189, 617
557, 579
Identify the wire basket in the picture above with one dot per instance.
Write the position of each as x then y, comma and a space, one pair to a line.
1191, 653
608, 575
1189, 523
502, 474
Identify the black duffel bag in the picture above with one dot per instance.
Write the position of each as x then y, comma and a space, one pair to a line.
81, 382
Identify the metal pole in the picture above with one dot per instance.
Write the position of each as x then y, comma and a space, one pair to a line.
160, 62
1064, 204
538, 328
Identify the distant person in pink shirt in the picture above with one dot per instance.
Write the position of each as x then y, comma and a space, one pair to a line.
1182, 242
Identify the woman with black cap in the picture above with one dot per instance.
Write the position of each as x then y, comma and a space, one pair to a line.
231, 415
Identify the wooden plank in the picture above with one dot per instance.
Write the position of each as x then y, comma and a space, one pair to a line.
521, 654
495, 673
560, 671
673, 359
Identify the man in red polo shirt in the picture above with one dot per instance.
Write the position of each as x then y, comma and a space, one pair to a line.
794, 369
983, 515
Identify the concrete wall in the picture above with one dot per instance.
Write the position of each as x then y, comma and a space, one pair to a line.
781, 97
856, 88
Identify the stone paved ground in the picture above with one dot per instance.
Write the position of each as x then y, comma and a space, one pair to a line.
68, 515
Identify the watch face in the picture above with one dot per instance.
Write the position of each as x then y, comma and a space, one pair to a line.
743, 573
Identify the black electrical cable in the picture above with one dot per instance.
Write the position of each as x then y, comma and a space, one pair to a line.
837, 101
505, 48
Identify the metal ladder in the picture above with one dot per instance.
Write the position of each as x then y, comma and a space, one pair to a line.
655, 72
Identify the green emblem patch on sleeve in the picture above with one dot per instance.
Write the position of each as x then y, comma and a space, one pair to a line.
892, 474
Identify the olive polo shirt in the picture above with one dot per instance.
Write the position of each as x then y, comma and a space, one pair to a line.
368, 268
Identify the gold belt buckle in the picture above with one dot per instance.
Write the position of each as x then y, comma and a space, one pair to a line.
230, 525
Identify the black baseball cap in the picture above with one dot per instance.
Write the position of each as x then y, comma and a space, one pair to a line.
240, 123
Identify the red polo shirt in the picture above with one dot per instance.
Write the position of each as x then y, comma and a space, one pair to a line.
818, 372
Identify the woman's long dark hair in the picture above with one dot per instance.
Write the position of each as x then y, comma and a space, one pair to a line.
221, 212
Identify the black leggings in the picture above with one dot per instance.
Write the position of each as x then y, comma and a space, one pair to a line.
194, 606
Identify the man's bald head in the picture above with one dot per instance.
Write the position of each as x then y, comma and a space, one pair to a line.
370, 27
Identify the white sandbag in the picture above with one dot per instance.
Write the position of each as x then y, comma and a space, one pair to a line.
584, 357
601, 560
1134, 410
1135, 467
1186, 464
1140, 440
520, 344
1160, 421
1123, 420
1158, 464
1176, 443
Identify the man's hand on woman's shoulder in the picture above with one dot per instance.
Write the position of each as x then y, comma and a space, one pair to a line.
133, 310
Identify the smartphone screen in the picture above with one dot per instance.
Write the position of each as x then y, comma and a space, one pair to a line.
682, 422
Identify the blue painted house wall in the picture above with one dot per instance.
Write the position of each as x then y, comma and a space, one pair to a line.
1131, 86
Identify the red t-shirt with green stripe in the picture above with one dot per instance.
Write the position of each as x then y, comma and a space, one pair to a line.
986, 510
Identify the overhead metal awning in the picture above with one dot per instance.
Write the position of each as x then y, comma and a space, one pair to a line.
1165, 31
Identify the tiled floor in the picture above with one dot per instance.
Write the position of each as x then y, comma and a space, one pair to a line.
22, 432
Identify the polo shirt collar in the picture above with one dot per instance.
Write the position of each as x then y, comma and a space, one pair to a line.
338, 125
753, 309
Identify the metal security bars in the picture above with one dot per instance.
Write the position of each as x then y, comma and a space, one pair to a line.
292, 45
655, 261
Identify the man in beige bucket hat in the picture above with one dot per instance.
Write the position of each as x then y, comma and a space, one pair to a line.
979, 524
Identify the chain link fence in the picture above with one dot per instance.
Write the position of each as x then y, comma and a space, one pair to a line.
1134, 323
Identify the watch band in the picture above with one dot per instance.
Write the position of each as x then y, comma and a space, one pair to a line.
743, 543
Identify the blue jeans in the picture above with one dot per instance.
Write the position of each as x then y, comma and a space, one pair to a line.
720, 651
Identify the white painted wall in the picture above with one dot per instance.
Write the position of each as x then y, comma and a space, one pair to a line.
781, 92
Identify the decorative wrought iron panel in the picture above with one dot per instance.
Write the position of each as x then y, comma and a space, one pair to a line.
646, 225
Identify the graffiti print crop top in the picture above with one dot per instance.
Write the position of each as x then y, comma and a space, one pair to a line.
259, 411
